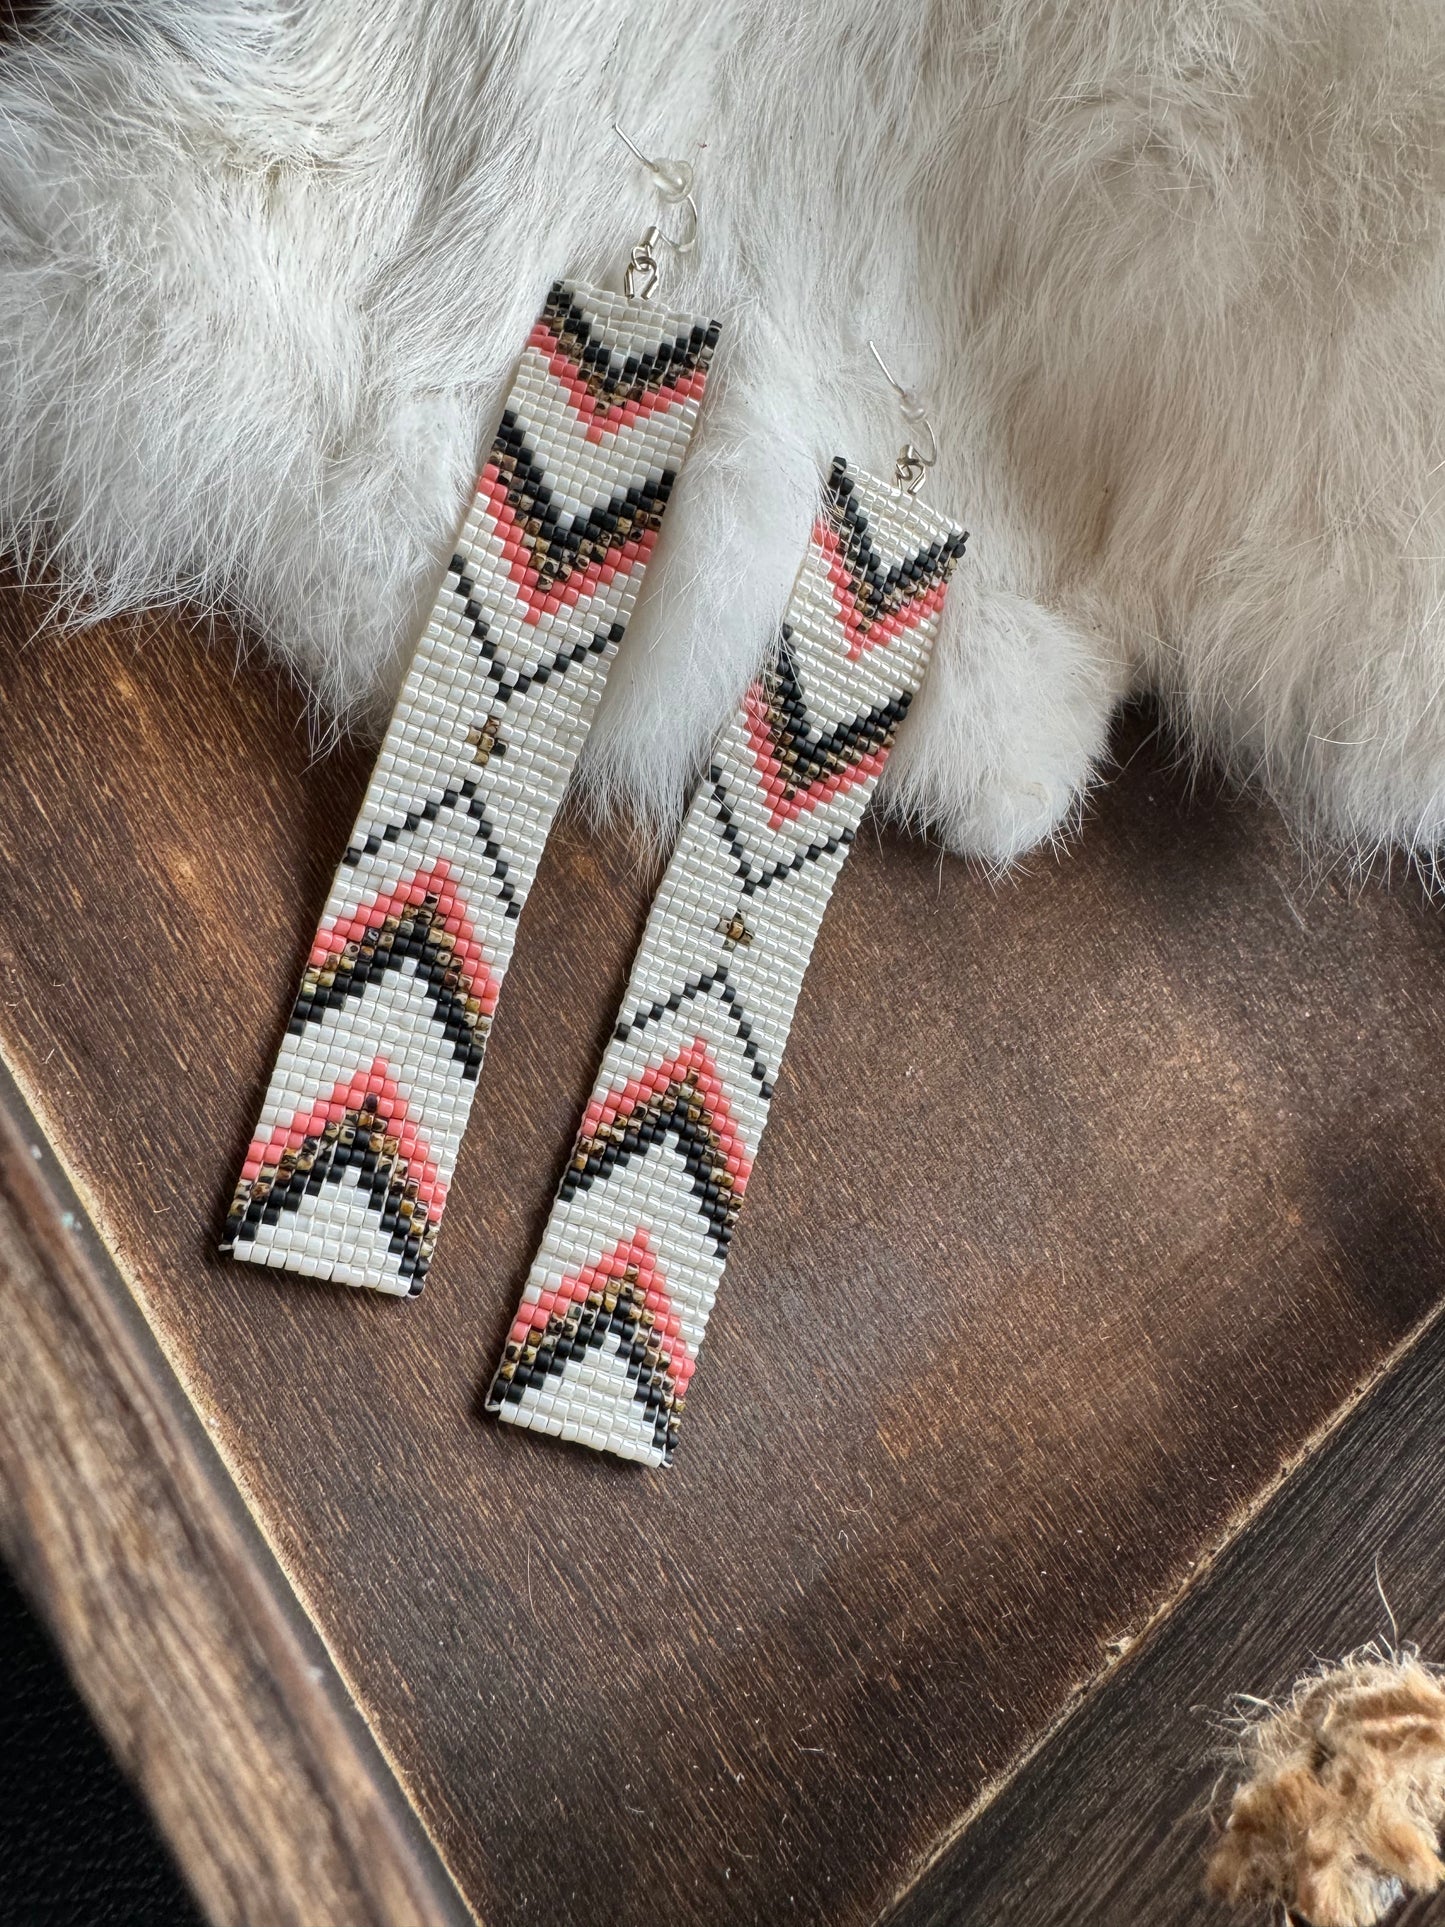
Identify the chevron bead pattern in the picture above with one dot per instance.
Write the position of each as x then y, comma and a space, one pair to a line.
606, 1337
347, 1175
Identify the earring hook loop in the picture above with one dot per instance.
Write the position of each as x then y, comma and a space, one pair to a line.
673, 182
910, 469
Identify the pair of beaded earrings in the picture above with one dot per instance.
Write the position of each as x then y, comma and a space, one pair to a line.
347, 1175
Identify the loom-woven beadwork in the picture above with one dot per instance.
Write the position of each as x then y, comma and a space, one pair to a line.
347, 1175
606, 1337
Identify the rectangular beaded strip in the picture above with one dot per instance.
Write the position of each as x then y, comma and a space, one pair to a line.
607, 1334
347, 1174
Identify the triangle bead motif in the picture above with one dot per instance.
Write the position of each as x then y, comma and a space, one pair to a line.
359, 1132
619, 1300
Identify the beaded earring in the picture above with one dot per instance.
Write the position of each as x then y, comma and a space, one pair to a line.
346, 1176
606, 1337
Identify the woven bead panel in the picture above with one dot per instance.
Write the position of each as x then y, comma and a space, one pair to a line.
606, 1338
346, 1177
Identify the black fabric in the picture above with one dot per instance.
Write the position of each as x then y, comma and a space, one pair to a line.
77, 1848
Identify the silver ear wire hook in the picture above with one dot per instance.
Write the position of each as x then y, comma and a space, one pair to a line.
910, 469
673, 182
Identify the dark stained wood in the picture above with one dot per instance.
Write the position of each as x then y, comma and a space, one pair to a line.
1108, 1825
122, 1527
1087, 1198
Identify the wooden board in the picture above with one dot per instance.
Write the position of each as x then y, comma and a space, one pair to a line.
1110, 1822
124, 1531
1087, 1198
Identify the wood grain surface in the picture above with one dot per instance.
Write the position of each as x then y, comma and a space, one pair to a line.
1086, 1198
1110, 1822
110, 1512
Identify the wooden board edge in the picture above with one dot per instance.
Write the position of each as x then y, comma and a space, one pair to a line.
177, 1624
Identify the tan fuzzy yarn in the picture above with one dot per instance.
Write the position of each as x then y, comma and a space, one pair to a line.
1343, 1801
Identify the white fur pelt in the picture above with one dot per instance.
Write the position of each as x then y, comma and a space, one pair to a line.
1170, 272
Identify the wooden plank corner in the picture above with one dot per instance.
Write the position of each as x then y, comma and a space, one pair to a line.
123, 1526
